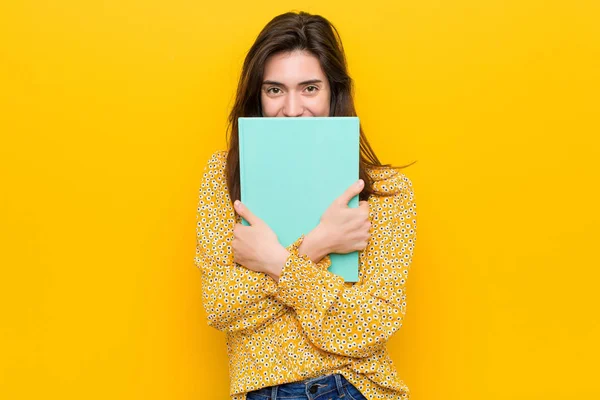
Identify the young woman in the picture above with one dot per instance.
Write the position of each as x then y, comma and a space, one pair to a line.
294, 329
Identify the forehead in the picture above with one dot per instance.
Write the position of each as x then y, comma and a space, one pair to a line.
293, 67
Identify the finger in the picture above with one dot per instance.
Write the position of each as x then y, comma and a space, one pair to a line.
352, 191
364, 206
243, 211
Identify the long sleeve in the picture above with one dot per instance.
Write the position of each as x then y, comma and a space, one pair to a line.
358, 320
234, 297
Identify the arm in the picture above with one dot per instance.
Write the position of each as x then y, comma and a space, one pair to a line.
234, 298
357, 320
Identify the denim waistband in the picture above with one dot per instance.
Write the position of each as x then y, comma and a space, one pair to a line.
311, 388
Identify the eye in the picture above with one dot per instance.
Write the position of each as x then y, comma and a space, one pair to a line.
312, 91
273, 88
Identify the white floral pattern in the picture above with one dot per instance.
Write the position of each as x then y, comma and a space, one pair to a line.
311, 322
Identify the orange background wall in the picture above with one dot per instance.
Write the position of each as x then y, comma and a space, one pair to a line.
109, 111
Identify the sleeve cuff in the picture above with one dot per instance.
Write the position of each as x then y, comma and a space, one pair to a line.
304, 285
323, 264
270, 284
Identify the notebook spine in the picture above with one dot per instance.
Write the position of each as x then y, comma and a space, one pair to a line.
241, 158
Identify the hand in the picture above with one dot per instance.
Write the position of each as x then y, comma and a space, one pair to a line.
347, 229
256, 247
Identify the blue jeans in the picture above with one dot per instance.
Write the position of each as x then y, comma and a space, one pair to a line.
327, 387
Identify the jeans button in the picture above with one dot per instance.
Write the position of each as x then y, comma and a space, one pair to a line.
313, 389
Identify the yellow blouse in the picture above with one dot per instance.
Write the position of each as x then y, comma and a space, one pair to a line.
311, 322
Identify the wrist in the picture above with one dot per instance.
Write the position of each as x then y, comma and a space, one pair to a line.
315, 244
274, 268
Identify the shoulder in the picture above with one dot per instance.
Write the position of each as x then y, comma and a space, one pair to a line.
217, 159
214, 168
398, 205
390, 180
213, 178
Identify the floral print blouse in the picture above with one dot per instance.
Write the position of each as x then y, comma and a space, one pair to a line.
311, 322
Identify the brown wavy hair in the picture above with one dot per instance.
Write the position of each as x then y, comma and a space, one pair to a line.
285, 33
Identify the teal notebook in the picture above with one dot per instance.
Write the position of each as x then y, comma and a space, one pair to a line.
292, 169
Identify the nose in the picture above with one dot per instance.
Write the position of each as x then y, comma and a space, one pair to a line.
292, 107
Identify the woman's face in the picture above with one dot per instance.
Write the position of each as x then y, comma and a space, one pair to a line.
294, 85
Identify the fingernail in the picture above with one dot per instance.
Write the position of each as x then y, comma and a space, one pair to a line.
360, 182
236, 203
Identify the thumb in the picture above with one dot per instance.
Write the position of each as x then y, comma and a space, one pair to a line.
246, 213
352, 191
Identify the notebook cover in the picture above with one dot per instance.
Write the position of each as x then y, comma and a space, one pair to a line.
293, 168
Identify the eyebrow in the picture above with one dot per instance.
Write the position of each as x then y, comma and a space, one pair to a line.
301, 83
